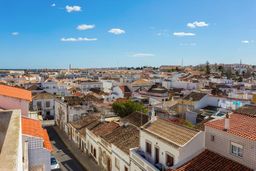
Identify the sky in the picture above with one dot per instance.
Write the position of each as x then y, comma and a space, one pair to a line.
115, 33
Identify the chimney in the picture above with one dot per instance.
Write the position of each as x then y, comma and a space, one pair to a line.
102, 118
153, 115
227, 122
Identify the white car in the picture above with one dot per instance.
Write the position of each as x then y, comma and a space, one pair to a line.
54, 163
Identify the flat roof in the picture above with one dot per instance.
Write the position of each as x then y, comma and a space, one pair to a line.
10, 134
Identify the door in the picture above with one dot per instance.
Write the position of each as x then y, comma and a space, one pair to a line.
156, 155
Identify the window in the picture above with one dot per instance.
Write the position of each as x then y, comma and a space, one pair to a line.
148, 148
156, 155
94, 153
169, 160
39, 105
47, 104
236, 149
125, 168
212, 138
117, 164
48, 113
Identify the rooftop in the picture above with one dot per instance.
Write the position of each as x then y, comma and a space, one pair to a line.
141, 82
157, 89
9, 139
171, 132
124, 137
34, 128
194, 96
15, 92
211, 161
136, 118
84, 121
43, 95
249, 110
240, 125
105, 128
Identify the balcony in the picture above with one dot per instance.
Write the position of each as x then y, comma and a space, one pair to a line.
144, 161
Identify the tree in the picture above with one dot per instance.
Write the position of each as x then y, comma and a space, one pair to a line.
207, 68
221, 69
240, 79
229, 72
123, 109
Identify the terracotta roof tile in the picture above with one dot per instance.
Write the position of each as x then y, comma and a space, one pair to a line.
124, 137
34, 128
195, 96
136, 118
15, 92
105, 128
211, 161
247, 110
240, 125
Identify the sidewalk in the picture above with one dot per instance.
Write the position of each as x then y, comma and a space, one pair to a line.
81, 157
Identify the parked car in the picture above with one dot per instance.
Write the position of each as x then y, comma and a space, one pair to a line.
54, 163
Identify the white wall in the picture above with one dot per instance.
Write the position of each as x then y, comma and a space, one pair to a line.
123, 158
44, 108
180, 154
37, 154
221, 145
207, 101
162, 145
193, 147
91, 139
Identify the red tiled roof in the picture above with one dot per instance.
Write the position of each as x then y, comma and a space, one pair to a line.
211, 161
240, 125
34, 128
105, 128
15, 92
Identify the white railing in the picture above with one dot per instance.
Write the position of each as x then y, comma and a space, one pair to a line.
142, 161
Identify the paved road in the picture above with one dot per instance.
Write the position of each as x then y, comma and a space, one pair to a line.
62, 154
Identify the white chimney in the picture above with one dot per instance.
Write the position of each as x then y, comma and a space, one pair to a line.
227, 122
102, 118
153, 115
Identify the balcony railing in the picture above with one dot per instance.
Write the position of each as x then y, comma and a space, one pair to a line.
145, 161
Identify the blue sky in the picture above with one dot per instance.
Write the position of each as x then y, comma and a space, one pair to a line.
110, 33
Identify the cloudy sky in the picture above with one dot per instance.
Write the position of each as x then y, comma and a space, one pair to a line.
110, 33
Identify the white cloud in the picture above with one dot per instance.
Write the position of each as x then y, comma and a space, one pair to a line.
15, 33
245, 41
116, 31
74, 8
187, 44
53, 5
79, 39
143, 55
182, 34
197, 24
85, 27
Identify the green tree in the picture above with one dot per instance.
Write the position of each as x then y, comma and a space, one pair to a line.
240, 79
123, 109
207, 68
221, 69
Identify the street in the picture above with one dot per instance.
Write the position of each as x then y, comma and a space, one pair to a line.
62, 154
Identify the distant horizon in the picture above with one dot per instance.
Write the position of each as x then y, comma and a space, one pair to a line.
99, 33
119, 67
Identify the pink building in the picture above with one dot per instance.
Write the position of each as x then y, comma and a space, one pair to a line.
15, 98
